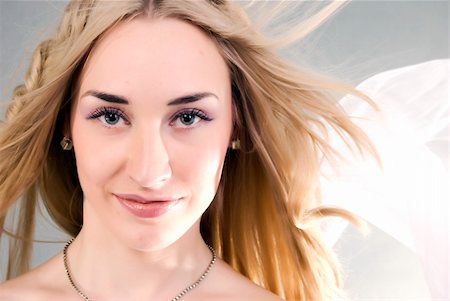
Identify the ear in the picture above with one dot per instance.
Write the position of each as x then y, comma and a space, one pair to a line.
65, 121
233, 133
66, 124
236, 123
66, 131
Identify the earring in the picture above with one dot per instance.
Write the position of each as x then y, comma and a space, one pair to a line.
66, 143
236, 144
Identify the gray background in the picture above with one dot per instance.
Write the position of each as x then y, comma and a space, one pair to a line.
365, 38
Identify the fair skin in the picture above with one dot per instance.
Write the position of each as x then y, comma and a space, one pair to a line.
166, 146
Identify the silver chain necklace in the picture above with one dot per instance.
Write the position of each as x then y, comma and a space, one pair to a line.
178, 297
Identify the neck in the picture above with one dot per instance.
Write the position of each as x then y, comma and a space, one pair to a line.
104, 268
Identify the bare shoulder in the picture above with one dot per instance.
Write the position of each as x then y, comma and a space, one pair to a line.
227, 284
9, 291
38, 284
19, 288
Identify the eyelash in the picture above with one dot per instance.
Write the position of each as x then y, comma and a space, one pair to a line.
195, 112
120, 114
108, 110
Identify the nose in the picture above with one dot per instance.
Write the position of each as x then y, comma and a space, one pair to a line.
148, 160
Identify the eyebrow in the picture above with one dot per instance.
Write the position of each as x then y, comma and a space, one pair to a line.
191, 98
123, 100
107, 97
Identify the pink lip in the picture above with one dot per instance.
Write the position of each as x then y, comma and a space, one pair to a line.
146, 208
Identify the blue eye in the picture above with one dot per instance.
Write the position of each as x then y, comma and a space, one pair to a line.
187, 118
112, 118
109, 116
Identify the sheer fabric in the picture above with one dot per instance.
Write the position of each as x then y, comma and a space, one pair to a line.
408, 197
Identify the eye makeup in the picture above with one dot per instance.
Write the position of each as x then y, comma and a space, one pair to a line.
185, 118
189, 117
111, 115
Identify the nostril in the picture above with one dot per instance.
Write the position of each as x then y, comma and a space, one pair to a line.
148, 157
150, 176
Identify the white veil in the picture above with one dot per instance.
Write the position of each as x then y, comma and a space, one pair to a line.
408, 198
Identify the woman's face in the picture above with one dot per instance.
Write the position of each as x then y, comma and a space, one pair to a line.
151, 125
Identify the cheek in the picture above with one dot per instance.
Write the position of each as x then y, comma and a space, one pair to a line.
200, 167
208, 160
96, 158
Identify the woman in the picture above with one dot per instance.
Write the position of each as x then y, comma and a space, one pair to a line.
154, 129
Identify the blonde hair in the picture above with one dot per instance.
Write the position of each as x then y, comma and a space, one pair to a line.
261, 220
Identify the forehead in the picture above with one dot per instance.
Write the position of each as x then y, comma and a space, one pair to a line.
166, 55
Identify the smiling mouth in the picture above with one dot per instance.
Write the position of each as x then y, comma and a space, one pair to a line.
144, 208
